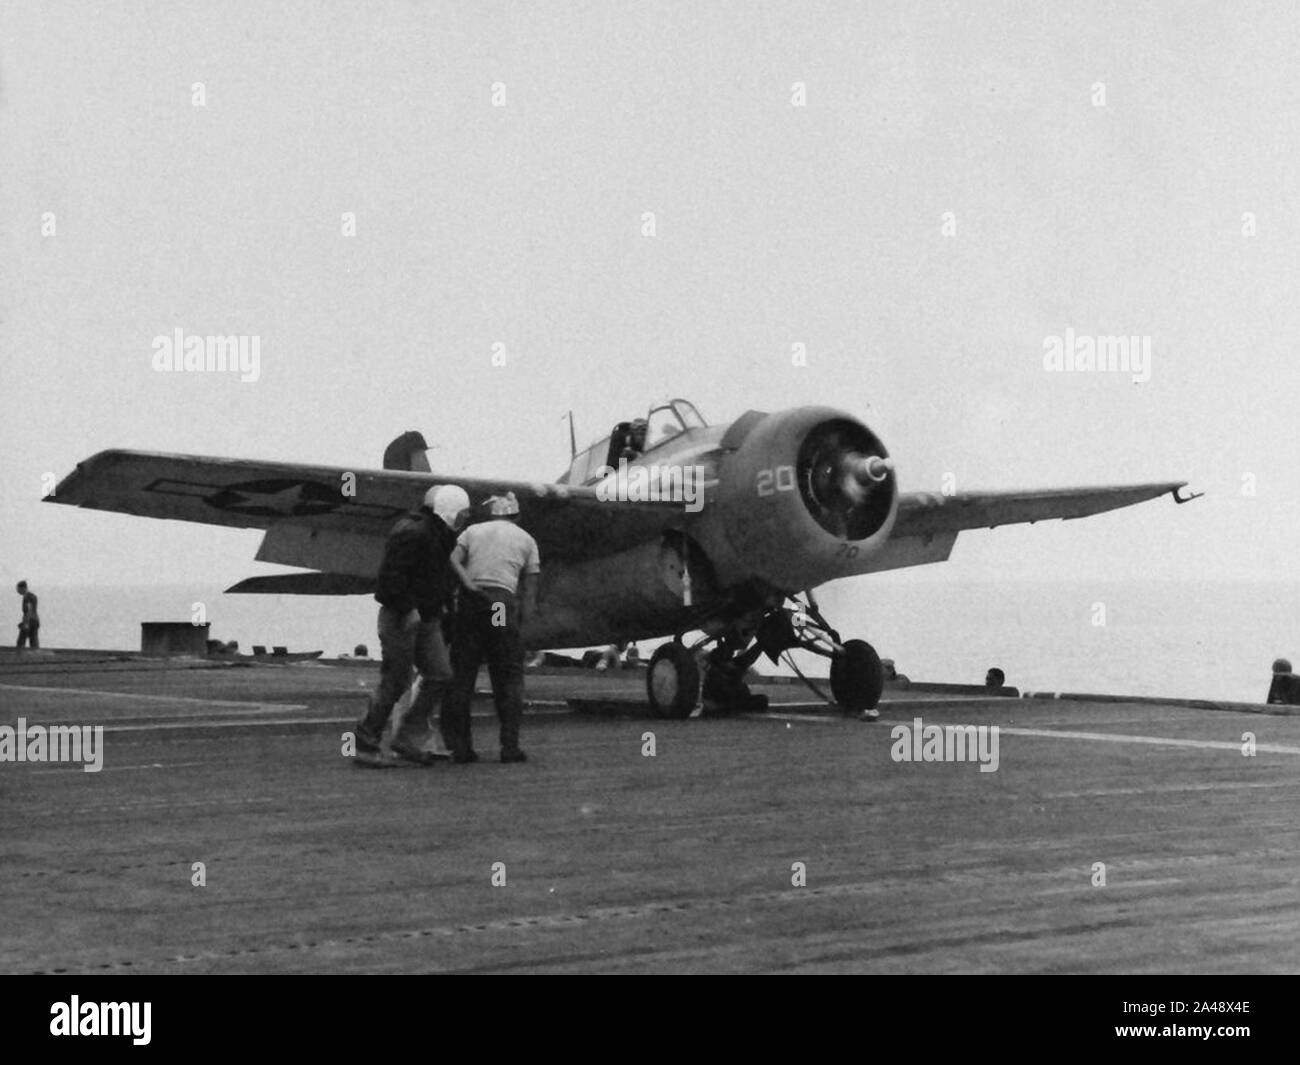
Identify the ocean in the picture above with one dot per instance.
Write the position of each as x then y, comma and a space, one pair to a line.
1182, 639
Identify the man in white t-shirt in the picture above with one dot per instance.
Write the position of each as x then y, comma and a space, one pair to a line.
501, 561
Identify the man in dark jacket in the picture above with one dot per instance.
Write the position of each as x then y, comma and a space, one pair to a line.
417, 579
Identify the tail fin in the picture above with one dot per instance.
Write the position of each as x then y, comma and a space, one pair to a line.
407, 452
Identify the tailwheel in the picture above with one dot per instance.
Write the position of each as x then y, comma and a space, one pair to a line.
673, 681
857, 677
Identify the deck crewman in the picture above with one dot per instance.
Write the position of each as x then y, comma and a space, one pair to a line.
417, 579
502, 562
29, 628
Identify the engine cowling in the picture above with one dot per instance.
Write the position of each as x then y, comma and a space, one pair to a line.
805, 497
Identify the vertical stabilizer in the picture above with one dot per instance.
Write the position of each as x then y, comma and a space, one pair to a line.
407, 452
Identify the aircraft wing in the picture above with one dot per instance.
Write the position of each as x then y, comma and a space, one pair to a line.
924, 514
333, 518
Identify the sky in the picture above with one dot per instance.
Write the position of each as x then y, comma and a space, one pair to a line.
640, 200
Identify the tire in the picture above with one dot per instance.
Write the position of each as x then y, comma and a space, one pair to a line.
672, 682
857, 677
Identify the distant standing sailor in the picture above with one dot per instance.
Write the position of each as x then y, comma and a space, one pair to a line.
502, 562
29, 629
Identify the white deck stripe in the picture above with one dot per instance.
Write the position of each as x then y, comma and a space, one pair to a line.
1160, 741
65, 767
192, 723
245, 704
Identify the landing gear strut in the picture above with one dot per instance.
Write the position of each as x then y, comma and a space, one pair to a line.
857, 676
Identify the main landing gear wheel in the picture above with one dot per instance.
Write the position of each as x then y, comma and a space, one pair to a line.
673, 681
857, 677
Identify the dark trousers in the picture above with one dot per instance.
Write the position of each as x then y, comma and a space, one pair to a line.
487, 627
1285, 689
406, 642
29, 633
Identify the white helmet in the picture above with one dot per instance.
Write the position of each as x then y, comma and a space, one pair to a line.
448, 501
503, 506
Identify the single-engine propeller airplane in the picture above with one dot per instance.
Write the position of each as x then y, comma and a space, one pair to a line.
666, 527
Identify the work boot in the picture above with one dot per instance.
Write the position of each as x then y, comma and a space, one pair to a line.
513, 754
370, 729
367, 742
409, 742
408, 752
369, 754
438, 748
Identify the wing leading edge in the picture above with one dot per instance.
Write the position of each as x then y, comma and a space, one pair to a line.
334, 519
319, 504
924, 514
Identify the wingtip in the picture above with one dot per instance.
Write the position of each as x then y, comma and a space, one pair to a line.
65, 491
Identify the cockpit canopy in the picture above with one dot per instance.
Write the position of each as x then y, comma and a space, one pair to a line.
633, 438
668, 419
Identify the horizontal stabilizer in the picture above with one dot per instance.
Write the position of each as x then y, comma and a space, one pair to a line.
304, 584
